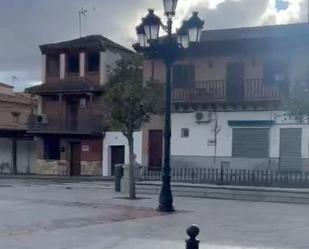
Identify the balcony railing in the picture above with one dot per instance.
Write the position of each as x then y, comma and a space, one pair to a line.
217, 91
88, 124
255, 89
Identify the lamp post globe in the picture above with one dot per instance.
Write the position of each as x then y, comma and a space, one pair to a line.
142, 39
170, 7
183, 36
151, 25
194, 26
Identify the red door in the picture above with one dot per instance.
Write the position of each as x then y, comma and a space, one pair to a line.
155, 149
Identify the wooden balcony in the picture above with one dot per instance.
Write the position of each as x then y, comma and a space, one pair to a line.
217, 91
85, 125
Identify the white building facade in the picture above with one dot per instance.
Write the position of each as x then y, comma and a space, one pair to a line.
257, 140
229, 99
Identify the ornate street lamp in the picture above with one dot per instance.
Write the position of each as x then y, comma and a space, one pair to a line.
168, 49
195, 26
170, 7
142, 39
183, 36
151, 25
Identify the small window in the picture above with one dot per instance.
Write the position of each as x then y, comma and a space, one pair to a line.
52, 64
93, 62
73, 63
51, 148
184, 132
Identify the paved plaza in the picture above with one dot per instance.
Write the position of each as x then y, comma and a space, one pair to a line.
47, 214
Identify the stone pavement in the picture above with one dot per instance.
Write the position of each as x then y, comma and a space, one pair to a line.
40, 214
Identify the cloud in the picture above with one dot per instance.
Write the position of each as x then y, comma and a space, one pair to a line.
295, 12
24, 25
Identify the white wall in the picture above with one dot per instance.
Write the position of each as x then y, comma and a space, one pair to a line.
26, 156
197, 142
6, 153
118, 139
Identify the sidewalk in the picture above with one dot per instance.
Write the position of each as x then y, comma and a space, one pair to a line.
243, 193
61, 178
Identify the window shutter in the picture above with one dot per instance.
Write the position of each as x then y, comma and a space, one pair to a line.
177, 76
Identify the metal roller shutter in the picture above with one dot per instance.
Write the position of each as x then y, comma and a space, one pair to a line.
250, 142
290, 148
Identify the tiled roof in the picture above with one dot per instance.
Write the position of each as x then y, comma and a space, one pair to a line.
66, 85
247, 33
91, 42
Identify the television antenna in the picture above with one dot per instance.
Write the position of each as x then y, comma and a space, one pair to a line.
82, 12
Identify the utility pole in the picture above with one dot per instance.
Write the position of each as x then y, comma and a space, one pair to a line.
81, 12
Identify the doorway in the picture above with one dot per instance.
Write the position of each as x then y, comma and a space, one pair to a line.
155, 149
117, 157
235, 81
75, 159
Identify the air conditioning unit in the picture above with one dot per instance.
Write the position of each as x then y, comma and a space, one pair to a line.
42, 118
203, 117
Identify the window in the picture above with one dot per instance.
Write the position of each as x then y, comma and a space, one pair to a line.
184, 132
73, 63
93, 62
52, 64
183, 76
51, 148
275, 72
250, 142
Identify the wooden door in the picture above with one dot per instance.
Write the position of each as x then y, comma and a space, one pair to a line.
75, 159
155, 149
235, 81
117, 157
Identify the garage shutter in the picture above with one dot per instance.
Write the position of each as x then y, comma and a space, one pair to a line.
290, 148
250, 142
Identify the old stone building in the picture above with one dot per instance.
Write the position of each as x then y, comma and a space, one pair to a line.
69, 125
17, 149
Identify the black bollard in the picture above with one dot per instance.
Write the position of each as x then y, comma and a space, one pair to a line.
192, 242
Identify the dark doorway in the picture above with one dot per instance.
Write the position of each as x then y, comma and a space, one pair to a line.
235, 81
155, 149
71, 117
75, 159
117, 157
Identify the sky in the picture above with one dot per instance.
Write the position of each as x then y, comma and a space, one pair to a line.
26, 24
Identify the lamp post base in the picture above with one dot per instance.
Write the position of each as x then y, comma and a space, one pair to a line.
166, 197
166, 209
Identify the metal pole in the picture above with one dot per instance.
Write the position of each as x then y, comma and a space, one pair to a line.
166, 198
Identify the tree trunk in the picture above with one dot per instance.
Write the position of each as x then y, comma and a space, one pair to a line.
131, 167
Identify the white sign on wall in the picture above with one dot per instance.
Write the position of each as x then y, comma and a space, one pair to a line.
85, 148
